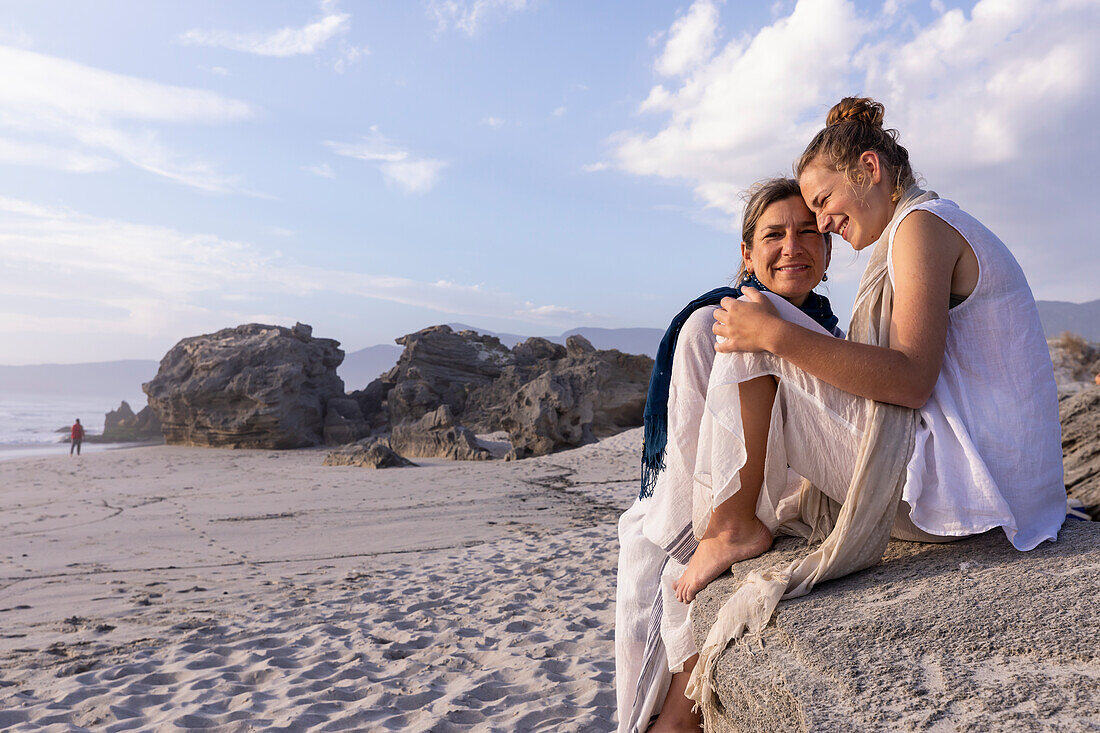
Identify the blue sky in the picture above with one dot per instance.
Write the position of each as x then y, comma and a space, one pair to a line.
168, 169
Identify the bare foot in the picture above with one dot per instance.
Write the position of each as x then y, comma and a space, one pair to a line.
718, 550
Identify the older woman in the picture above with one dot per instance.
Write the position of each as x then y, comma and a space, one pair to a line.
937, 418
783, 252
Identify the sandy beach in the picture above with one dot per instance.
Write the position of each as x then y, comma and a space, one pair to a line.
186, 588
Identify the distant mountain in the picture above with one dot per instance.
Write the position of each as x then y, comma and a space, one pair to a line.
361, 367
628, 340
1082, 319
115, 379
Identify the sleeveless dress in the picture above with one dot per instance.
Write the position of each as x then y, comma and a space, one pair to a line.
988, 449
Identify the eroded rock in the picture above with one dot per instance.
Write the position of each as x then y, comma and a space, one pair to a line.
253, 386
1080, 416
124, 426
971, 635
437, 435
546, 396
367, 453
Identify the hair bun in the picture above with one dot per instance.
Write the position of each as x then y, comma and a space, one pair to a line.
857, 109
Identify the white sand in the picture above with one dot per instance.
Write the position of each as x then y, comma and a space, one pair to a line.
178, 588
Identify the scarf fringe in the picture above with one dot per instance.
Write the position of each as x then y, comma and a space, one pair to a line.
653, 452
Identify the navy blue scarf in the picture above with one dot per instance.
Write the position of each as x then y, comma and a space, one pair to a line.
656, 403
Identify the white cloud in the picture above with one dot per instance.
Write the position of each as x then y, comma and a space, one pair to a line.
554, 313
741, 113
137, 280
467, 15
492, 121
690, 40
995, 103
349, 55
595, 167
322, 170
23, 152
412, 173
59, 105
559, 111
283, 42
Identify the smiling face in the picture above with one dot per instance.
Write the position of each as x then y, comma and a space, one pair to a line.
858, 214
788, 253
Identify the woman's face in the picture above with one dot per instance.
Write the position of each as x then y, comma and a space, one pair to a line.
859, 215
788, 255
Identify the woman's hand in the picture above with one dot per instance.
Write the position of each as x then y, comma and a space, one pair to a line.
745, 324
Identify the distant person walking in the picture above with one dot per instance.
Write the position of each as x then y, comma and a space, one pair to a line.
77, 437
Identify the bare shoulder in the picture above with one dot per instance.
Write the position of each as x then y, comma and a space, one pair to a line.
924, 231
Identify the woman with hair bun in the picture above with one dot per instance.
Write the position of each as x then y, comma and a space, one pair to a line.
936, 419
784, 254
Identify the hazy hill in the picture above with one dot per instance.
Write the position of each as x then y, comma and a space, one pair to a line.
361, 367
1082, 319
115, 379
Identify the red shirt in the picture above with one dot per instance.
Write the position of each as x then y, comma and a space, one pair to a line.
78, 431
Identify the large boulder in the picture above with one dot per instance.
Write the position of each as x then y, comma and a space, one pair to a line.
574, 400
972, 635
440, 367
437, 435
1080, 415
367, 453
253, 386
546, 396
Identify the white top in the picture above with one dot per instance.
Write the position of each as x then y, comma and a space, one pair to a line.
988, 449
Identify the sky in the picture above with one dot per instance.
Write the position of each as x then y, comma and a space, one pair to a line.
528, 166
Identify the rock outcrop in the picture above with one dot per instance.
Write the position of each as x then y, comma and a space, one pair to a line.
124, 426
1080, 416
253, 386
441, 367
1076, 362
546, 396
972, 635
367, 453
437, 435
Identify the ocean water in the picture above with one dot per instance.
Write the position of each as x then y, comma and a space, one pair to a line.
29, 422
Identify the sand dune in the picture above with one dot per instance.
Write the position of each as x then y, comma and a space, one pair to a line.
237, 590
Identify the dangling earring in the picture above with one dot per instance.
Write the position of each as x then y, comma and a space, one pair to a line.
824, 277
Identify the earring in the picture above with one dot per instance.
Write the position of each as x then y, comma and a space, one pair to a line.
824, 277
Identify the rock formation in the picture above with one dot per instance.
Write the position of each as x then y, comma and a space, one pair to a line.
437, 435
547, 397
441, 367
1076, 362
123, 426
367, 453
971, 635
1080, 416
253, 386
